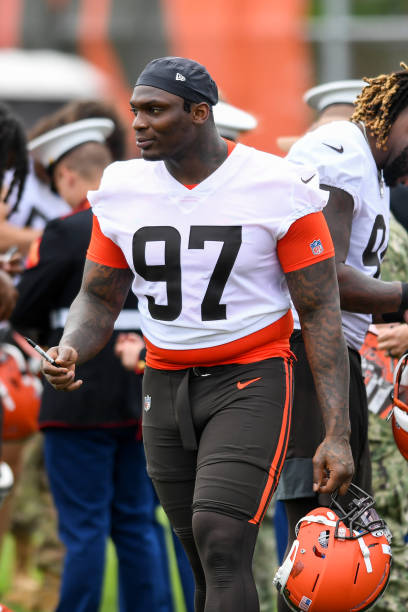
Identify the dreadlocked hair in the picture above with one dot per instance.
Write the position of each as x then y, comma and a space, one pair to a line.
13, 151
380, 103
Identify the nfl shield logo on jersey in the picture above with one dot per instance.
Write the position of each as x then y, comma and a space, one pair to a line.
147, 402
316, 247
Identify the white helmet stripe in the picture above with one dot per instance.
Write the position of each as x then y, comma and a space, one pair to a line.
315, 519
282, 575
366, 554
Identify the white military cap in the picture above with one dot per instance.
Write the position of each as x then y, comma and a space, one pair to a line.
336, 92
51, 146
231, 121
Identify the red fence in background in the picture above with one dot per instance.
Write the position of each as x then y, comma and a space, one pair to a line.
255, 49
256, 52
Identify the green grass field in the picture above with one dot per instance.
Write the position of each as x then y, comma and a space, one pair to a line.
109, 599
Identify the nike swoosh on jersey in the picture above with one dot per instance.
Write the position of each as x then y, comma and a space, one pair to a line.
242, 385
307, 180
338, 149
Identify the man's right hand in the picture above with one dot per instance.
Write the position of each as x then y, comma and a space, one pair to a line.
333, 465
62, 378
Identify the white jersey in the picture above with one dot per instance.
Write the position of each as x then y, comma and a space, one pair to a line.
344, 159
205, 260
38, 204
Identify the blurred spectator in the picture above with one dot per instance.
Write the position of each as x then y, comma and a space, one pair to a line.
13, 158
13, 152
19, 390
232, 122
33, 206
87, 109
14, 168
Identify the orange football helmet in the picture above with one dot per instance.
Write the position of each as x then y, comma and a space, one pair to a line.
340, 560
400, 406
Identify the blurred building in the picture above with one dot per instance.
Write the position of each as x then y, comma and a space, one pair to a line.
355, 38
35, 83
263, 53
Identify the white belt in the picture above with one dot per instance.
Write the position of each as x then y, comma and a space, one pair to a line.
127, 319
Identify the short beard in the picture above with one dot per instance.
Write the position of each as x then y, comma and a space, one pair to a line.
396, 169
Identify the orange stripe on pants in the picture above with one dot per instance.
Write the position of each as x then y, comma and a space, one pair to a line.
280, 453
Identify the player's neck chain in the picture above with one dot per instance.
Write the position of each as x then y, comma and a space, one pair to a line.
380, 173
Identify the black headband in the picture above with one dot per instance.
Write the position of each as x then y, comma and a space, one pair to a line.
182, 77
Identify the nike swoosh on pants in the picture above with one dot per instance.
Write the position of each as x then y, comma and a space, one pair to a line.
242, 385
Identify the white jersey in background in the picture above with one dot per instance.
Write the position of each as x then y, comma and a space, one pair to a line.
344, 160
38, 204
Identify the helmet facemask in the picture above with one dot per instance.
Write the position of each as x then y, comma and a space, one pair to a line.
359, 516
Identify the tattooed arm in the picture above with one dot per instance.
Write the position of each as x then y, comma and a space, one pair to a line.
314, 292
90, 322
358, 292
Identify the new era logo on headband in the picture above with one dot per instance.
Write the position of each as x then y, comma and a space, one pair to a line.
180, 77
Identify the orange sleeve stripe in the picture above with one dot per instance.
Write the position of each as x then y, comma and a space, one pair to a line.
306, 242
103, 250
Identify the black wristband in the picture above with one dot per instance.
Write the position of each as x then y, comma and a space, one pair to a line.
142, 356
392, 317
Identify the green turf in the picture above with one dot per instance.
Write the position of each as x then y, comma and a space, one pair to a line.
109, 598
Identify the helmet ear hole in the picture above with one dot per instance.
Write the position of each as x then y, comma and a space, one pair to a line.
318, 553
356, 574
315, 582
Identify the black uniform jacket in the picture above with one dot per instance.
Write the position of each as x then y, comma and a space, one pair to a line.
110, 395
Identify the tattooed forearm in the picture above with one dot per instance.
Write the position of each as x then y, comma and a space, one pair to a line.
314, 292
95, 309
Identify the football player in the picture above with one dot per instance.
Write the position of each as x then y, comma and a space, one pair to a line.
214, 239
357, 160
